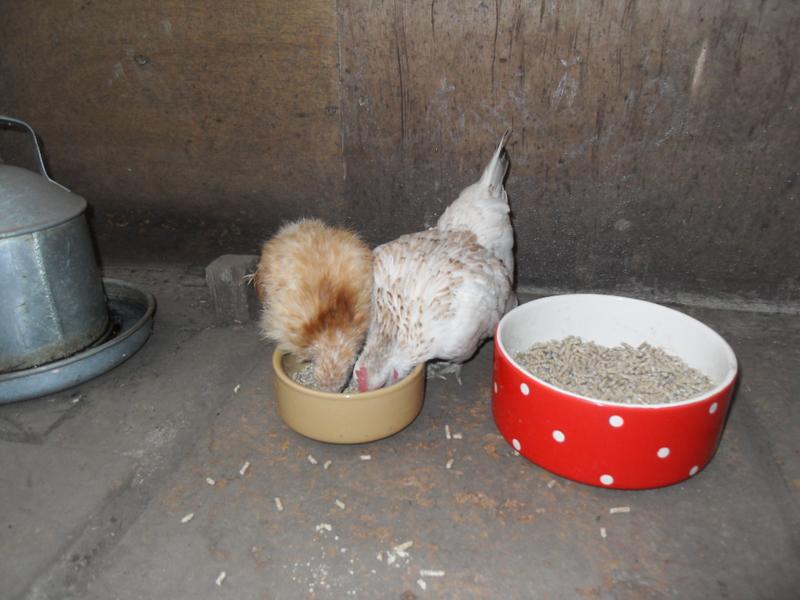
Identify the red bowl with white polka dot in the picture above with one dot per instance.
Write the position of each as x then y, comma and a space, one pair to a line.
626, 446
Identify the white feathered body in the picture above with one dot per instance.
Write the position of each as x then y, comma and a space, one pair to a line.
437, 294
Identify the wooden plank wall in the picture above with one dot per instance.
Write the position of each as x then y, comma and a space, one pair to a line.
655, 146
191, 127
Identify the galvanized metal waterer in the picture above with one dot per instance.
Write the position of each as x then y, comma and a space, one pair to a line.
52, 303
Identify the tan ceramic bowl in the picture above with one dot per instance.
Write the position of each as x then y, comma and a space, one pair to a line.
346, 418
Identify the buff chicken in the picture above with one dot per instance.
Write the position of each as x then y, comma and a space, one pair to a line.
315, 284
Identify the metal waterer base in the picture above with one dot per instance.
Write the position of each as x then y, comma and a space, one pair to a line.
131, 312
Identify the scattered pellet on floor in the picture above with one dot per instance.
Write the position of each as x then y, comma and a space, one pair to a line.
311, 459
421, 583
365, 457
324, 527
458, 436
447, 432
449, 464
210, 481
244, 468
237, 388
278, 504
339, 503
551, 483
379, 556
400, 549
430, 573
327, 464
541, 511
221, 577
188, 517
619, 509
603, 533
625, 374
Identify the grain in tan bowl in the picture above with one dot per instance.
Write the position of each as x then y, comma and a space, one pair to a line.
346, 418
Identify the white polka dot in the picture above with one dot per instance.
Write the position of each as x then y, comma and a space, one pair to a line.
616, 421
516, 444
694, 470
525, 389
495, 388
606, 479
559, 436
713, 408
663, 452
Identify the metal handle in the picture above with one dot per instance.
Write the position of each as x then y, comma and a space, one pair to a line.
37, 147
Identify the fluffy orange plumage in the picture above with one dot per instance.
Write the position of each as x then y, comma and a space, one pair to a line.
315, 283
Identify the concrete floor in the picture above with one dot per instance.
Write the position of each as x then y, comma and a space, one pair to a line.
95, 482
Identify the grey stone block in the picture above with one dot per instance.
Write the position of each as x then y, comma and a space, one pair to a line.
233, 298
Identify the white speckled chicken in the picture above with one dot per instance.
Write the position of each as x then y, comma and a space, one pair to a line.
437, 294
315, 282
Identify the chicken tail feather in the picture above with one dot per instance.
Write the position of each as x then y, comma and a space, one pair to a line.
496, 169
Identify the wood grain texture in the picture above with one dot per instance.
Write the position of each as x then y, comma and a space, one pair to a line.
170, 112
655, 144
654, 147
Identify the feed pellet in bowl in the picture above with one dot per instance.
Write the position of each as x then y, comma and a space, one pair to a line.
623, 374
305, 377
